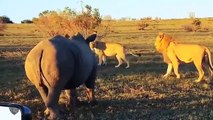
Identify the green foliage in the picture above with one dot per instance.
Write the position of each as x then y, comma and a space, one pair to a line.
5, 19
68, 21
88, 20
97, 18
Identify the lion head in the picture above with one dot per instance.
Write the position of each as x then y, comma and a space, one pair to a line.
99, 45
162, 42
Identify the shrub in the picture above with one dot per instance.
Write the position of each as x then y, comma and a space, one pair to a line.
26, 21
142, 25
188, 28
5, 19
196, 22
194, 26
68, 22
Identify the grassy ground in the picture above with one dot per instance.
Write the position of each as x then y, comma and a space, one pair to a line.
139, 92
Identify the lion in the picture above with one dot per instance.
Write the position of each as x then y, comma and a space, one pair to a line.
174, 53
106, 49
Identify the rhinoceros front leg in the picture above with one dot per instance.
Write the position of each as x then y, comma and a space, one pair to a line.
90, 84
72, 97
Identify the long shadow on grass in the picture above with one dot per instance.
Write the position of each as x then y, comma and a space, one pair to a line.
169, 108
155, 68
176, 107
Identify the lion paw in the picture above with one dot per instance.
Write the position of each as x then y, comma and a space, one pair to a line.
178, 77
117, 66
197, 81
127, 66
165, 76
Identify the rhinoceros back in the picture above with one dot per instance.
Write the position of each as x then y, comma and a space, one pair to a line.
83, 60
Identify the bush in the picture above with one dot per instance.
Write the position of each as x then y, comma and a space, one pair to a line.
68, 22
195, 26
196, 22
26, 21
142, 25
188, 28
5, 19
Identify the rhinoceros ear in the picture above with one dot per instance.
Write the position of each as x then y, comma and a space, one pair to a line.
91, 37
77, 36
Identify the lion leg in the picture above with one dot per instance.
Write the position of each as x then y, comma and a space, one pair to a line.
207, 68
211, 72
119, 61
175, 63
176, 69
169, 70
127, 62
104, 60
198, 65
100, 57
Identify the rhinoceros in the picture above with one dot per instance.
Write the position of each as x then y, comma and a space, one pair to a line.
62, 64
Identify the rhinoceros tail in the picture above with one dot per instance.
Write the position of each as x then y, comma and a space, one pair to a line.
43, 81
40, 70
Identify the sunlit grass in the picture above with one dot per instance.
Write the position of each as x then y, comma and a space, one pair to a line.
139, 92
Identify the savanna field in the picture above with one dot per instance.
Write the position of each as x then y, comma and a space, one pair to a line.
139, 92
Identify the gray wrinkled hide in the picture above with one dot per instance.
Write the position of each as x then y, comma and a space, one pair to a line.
59, 63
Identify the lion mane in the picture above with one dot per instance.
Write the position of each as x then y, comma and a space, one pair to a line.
175, 53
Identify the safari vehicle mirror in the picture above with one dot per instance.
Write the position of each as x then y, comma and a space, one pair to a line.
13, 111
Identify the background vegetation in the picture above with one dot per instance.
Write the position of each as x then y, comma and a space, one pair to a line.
135, 93
68, 22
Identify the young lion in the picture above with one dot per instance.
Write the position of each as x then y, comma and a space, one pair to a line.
104, 50
174, 53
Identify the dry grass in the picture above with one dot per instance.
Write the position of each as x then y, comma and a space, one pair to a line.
135, 93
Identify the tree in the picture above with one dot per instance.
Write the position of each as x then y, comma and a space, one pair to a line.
97, 18
88, 20
68, 21
54, 23
5, 19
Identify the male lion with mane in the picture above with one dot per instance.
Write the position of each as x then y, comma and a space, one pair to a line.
174, 53
105, 49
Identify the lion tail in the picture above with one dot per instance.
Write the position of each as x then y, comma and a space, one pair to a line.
209, 58
133, 54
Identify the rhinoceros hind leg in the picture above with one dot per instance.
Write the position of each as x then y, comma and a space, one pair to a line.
72, 98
